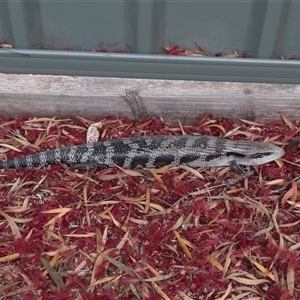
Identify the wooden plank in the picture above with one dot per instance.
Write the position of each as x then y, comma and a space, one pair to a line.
46, 95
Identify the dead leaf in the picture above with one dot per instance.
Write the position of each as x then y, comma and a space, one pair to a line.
92, 134
251, 122
80, 235
9, 257
13, 226
177, 224
6, 46
191, 170
130, 172
8, 286
85, 192
119, 265
145, 124
105, 279
131, 199
39, 183
290, 278
53, 274
147, 202
182, 129
160, 291
182, 244
262, 269
290, 194
159, 278
227, 292
218, 126
287, 121
159, 180
214, 262
10, 147
62, 211
247, 281
227, 260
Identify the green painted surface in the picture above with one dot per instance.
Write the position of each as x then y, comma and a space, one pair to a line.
264, 29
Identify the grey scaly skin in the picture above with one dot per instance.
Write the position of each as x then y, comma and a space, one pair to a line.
155, 151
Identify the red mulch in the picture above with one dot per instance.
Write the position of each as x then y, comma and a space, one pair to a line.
147, 234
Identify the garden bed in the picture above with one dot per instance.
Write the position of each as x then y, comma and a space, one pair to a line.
170, 233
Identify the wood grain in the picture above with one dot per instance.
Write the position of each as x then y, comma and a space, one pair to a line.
46, 95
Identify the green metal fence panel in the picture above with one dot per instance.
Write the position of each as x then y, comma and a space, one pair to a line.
265, 30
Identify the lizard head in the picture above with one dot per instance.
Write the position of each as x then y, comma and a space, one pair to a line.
263, 153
